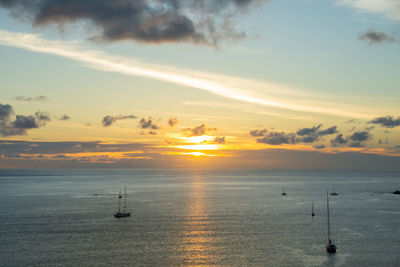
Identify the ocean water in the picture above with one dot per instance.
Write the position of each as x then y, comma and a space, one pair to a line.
195, 218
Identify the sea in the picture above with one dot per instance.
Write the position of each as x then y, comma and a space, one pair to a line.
54, 217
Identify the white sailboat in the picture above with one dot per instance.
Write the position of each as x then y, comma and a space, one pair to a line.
123, 213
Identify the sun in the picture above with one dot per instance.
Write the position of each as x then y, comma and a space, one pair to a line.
198, 139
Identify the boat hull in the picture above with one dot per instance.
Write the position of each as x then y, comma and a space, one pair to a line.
330, 248
122, 215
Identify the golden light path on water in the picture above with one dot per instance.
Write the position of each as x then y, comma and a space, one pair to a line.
197, 243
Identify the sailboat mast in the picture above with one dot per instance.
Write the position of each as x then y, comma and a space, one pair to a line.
125, 199
119, 202
327, 208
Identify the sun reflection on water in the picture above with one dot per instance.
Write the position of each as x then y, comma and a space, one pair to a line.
198, 237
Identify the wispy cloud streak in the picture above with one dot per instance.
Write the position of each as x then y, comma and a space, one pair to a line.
389, 8
245, 90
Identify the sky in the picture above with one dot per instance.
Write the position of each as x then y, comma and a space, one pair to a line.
223, 84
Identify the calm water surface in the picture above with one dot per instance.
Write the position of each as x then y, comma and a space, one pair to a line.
191, 218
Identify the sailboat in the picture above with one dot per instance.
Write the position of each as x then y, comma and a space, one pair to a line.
333, 192
330, 246
283, 191
312, 209
124, 213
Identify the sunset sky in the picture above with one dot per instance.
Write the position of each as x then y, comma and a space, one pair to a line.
276, 84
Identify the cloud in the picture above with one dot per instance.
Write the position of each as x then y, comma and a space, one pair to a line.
331, 130
311, 135
357, 139
304, 135
134, 155
308, 131
40, 98
5, 111
338, 140
389, 8
42, 116
109, 120
388, 121
65, 117
148, 21
277, 138
375, 37
360, 136
21, 123
383, 142
314, 131
198, 131
172, 122
219, 140
257, 133
262, 93
148, 124
44, 148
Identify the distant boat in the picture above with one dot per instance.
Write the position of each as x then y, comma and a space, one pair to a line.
312, 209
124, 213
333, 192
283, 191
330, 246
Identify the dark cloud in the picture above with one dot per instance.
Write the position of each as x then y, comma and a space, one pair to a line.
316, 132
197, 21
173, 121
311, 135
258, 133
277, 138
338, 140
320, 146
304, 135
21, 123
109, 120
357, 139
40, 98
360, 136
375, 37
388, 121
385, 142
141, 156
61, 157
308, 131
42, 116
198, 131
44, 148
148, 124
331, 130
219, 140
5, 111
65, 117
307, 139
